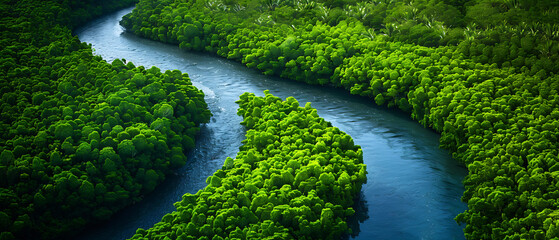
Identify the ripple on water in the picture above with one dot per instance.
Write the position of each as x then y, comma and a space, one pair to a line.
413, 187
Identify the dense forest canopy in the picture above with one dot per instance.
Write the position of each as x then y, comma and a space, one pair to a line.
81, 138
483, 73
295, 177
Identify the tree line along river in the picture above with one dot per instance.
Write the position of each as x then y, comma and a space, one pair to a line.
413, 188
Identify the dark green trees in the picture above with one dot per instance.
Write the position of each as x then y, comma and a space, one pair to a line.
81, 138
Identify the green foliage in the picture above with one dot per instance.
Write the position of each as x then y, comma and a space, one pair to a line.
75, 143
126, 149
63, 131
164, 111
483, 73
255, 195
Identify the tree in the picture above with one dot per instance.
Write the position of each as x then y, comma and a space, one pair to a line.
164, 111
83, 152
126, 149
63, 130
151, 179
87, 191
6, 157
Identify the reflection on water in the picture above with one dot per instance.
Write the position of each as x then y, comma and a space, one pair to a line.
413, 188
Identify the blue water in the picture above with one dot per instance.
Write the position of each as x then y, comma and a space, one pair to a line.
413, 189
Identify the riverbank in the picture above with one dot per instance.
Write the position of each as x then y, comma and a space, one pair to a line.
411, 181
81, 138
495, 111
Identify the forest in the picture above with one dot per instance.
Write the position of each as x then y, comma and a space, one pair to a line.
482, 73
295, 177
83, 138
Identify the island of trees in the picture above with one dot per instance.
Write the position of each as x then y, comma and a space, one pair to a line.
483, 73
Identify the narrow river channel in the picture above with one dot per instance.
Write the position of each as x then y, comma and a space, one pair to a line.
413, 189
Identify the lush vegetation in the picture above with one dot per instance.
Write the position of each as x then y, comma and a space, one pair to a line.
483, 73
81, 138
295, 177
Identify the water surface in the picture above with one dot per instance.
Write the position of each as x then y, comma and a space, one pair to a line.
413, 189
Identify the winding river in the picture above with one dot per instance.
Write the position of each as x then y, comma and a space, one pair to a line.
413, 189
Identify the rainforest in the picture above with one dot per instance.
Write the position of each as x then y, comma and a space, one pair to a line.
83, 138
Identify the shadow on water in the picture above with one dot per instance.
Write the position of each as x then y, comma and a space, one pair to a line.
202, 162
361, 214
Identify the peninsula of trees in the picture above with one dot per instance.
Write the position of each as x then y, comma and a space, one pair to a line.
295, 177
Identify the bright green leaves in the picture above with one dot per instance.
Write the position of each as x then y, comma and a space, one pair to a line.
164, 111
284, 183
214, 181
500, 115
327, 179
327, 218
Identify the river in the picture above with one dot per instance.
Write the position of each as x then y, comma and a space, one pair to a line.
413, 187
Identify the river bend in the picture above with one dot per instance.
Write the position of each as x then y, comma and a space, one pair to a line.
413, 188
